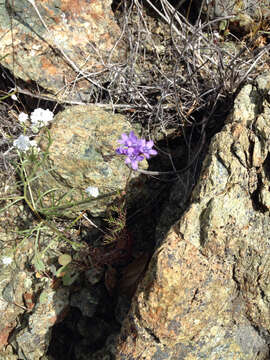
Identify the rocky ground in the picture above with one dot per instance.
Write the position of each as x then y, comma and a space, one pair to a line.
170, 261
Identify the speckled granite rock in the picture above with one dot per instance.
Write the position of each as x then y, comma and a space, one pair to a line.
32, 341
83, 154
85, 31
244, 13
206, 292
9, 310
253, 8
29, 307
7, 354
13, 278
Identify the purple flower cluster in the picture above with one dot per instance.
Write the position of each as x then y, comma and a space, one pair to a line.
135, 149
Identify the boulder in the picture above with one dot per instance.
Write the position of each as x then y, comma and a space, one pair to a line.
206, 293
82, 154
81, 38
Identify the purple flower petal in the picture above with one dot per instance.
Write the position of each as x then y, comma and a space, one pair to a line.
133, 137
131, 151
142, 142
150, 144
134, 164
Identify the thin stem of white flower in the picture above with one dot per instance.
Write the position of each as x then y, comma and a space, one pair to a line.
27, 185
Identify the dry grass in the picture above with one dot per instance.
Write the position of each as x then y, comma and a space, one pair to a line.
170, 76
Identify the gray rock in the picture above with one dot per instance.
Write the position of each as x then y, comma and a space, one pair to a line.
245, 14
29, 306
82, 154
83, 37
86, 300
12, 287
220, 8
206, 293
32, 342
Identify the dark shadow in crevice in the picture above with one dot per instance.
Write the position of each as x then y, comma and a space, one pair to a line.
255, 196
29, 97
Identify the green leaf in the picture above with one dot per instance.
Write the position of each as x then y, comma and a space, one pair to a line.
39, 264
69, 278
64, 259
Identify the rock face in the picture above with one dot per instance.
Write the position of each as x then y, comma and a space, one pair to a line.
253, 8
51, 308
82, 154
245, 14
29, 306
82, 36
206, 294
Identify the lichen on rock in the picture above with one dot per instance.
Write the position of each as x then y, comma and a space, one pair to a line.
82, 154
206, 292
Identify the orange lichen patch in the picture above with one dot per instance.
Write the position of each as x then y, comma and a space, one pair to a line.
97, 7
91, 37
96, 17
49, 67
4, 334
75, 6
106, 37
29, 300
237, 130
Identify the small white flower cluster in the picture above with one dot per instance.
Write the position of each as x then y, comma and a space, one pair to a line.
92, 190
23, 117
23, 143
39, 118
6, 260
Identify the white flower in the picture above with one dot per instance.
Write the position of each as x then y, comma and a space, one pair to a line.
23, 143
23, 117
14, 97
6, 260
92, 190
41, 117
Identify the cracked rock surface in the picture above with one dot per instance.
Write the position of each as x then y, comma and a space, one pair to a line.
79, 35
206, 294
